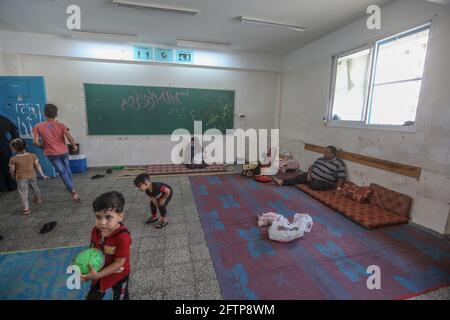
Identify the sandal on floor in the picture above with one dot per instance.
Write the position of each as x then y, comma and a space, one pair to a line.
162, 224
47, 227
151, 220
27, 212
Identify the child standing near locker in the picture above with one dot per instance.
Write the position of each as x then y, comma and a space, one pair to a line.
23, 167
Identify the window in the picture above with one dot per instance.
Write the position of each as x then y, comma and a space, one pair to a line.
351, 86
380, 84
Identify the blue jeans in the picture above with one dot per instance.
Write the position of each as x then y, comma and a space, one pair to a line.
61, 164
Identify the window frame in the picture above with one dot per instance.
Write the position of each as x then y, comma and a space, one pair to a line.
333, 83
374, 46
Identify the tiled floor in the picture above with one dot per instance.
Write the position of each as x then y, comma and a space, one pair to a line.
170, 263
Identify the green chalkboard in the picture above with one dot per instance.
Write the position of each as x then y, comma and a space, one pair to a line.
130, 110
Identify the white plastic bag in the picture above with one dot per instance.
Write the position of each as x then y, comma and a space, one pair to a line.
283, 231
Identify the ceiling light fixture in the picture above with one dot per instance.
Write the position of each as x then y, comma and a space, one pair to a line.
272, 23
103, 35
155, 7
202, 44
447, 2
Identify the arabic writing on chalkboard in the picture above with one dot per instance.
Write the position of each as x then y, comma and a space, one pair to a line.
221, 115
28, 115
148, 100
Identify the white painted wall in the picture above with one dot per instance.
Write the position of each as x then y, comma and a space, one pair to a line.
51, 45
66, 63
256, 96
305, 94
2, 69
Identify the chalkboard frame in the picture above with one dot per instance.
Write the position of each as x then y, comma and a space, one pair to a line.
231, 115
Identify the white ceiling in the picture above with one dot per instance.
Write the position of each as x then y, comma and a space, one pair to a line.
217, 21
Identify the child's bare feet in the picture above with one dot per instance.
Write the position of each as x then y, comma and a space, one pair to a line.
26, 211
37, 200
75, 196
277, 181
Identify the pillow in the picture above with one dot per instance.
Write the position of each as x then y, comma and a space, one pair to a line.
390, 200
356, 193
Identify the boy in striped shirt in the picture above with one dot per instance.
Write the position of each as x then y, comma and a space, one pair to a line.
327, 172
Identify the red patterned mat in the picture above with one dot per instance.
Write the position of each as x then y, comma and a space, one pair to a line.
170, 169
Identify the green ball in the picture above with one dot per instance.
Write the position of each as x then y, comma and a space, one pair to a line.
88, 257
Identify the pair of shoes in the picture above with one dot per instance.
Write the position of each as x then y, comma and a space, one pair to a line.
151, 220
47, 227
162, 224
26, 212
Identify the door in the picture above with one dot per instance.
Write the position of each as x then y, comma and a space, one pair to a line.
22, 100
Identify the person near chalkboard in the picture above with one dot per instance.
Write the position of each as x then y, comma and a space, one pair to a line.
192, 149
8, 131
54, 134
197, 159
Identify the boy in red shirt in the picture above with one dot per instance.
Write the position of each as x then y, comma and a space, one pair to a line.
114, 240
54, 135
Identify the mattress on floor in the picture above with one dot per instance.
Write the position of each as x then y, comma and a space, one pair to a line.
366, 214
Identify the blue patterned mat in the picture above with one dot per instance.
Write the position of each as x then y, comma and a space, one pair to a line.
40, 275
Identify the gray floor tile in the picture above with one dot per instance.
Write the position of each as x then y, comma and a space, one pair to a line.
195, 239
176, 255
203, 270
149, 243
208, 290
178, 274
200, 252
150, 258
177, 240
181, 292
147, 294
147, 279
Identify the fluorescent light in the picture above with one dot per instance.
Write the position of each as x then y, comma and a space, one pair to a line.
201, 44
154, 7
440, 1
103, 35
272, 23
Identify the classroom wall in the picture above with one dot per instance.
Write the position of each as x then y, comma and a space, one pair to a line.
256, 96
305, 94
2, 69
66, 46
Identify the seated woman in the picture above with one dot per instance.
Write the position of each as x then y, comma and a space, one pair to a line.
327, 172
288, 163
